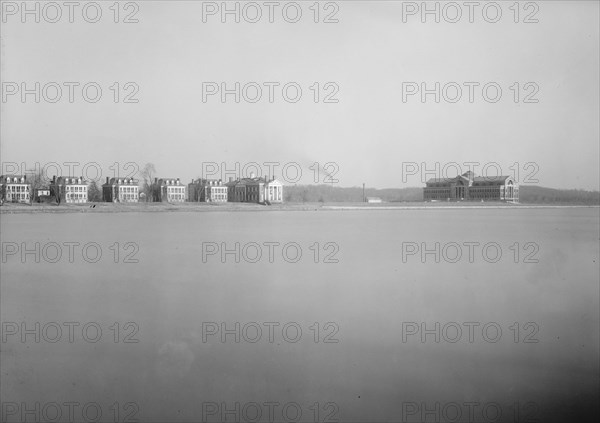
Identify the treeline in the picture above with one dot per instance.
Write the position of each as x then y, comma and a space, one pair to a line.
332, 194
335, 194
541, 195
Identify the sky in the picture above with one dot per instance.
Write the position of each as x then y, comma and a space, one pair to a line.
367, 61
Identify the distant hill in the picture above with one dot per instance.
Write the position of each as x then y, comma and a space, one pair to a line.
531, 194
541, 195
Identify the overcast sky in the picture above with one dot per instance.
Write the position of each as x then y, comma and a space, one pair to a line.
369, 133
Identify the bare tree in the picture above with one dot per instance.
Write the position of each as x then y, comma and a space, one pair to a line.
147, 174
37, 181
94, 192
36, 178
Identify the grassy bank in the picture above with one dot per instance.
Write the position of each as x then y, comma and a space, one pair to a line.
9, 208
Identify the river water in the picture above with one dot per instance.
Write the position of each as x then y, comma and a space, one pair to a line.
301, 316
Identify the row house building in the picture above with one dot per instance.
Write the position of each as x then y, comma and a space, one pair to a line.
15, 189
69, 189
122, 190
207, 191
261, 190
472, 188
254, 189
168, 190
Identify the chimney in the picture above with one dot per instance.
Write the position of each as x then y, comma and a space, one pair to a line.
155, 180
107, 180
54, 179
252, 175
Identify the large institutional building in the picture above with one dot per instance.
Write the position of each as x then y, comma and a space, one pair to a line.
122, 190
170, 190
207, 191
472, 188
255, 190
69, 189
15, 189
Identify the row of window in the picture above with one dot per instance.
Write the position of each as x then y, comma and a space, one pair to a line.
485, 189
17, 196
175, 189
128, 189
437, 192
474, 194
128, 197
76, 188
76, 198
17, 188
242, 198
484, 195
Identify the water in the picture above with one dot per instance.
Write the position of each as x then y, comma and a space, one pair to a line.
173, 297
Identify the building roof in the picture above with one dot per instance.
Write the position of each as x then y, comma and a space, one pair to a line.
17, 179
208, 182
467, 176
169, 181
490, 180
71, 180
252, 181
439, 180
122, 181
470, 176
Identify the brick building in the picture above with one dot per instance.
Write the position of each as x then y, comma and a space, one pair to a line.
122, 190
255, 190
207, 191
69, 189
472, 188
169, 190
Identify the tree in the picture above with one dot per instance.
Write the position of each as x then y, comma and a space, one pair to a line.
147, 173
37, 181
94, 192
304, 195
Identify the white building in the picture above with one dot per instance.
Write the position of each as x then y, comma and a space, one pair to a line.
70, 189
122, 190
168, 190
255, 190
15, 188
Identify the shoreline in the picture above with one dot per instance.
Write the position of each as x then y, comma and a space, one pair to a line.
11, 208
